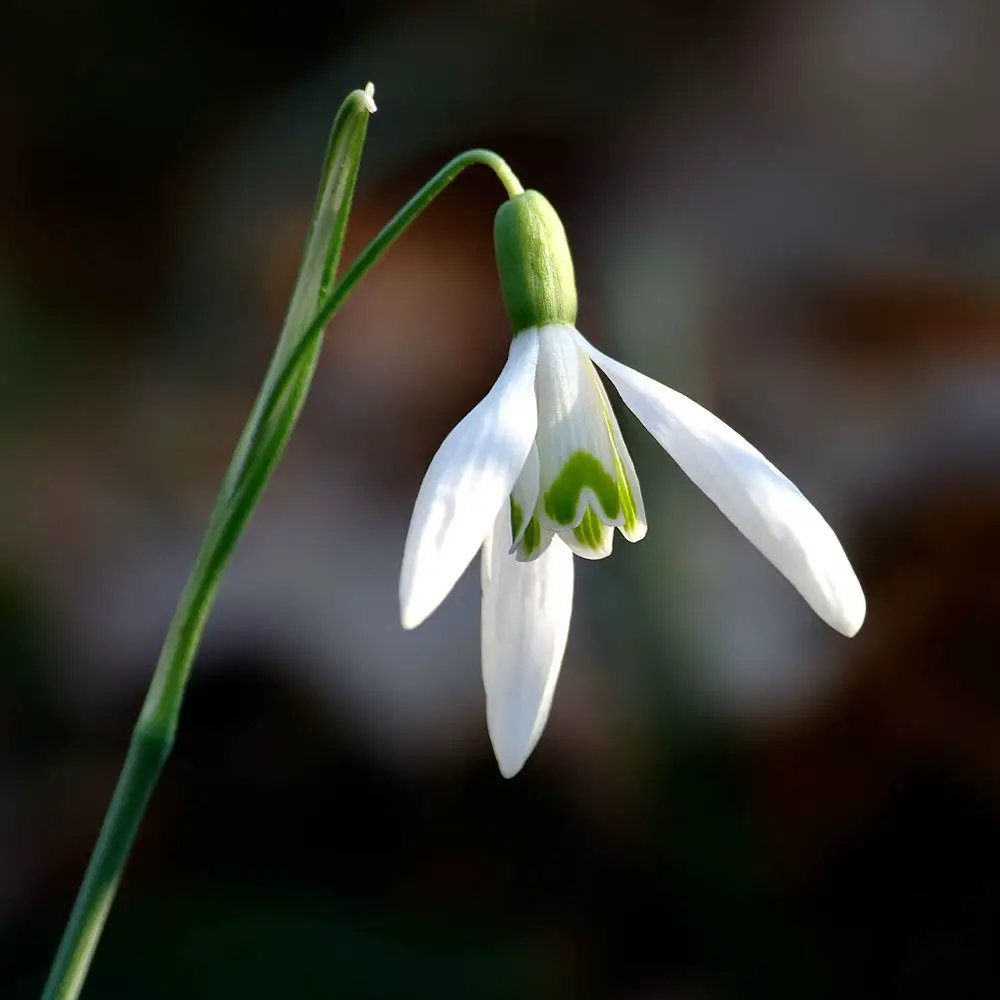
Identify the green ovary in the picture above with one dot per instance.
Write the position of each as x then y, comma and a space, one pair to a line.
582, 470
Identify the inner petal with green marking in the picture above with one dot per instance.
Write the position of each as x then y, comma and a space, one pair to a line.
586, 481
629, 493
591, 538
582, 483
533, 540
530, 540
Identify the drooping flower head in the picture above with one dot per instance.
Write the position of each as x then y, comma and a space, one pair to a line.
539, 471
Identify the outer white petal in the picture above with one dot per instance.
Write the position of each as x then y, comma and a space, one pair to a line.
750, 491
468, 481
525, 622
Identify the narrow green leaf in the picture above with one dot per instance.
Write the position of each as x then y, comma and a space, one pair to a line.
329, 220
317, 272
258, 451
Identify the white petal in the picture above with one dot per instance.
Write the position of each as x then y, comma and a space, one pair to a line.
629, 493
525, 495
750, 491
577, 466
533, 542
590, 539
468, 480
525, 623
530, 538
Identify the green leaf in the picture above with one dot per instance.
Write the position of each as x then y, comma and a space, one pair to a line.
256, 455
329, 221
260, 447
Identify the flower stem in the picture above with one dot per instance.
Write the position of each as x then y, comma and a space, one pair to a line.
151, 743
390, 232
257, 453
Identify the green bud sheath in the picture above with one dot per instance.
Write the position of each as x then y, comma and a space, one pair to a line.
533, 258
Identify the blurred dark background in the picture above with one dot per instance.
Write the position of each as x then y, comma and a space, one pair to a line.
789, 210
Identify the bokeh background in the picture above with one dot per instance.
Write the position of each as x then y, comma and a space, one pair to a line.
789, 210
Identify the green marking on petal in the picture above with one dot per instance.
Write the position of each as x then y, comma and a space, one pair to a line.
590, 531
582, 470
625, 497
516, 517
532, 537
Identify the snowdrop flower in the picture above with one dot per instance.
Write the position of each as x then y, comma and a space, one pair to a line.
538, 472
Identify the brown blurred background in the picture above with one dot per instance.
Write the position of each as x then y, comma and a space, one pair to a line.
789, 210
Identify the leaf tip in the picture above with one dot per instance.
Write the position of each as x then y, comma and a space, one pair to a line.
369, 97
